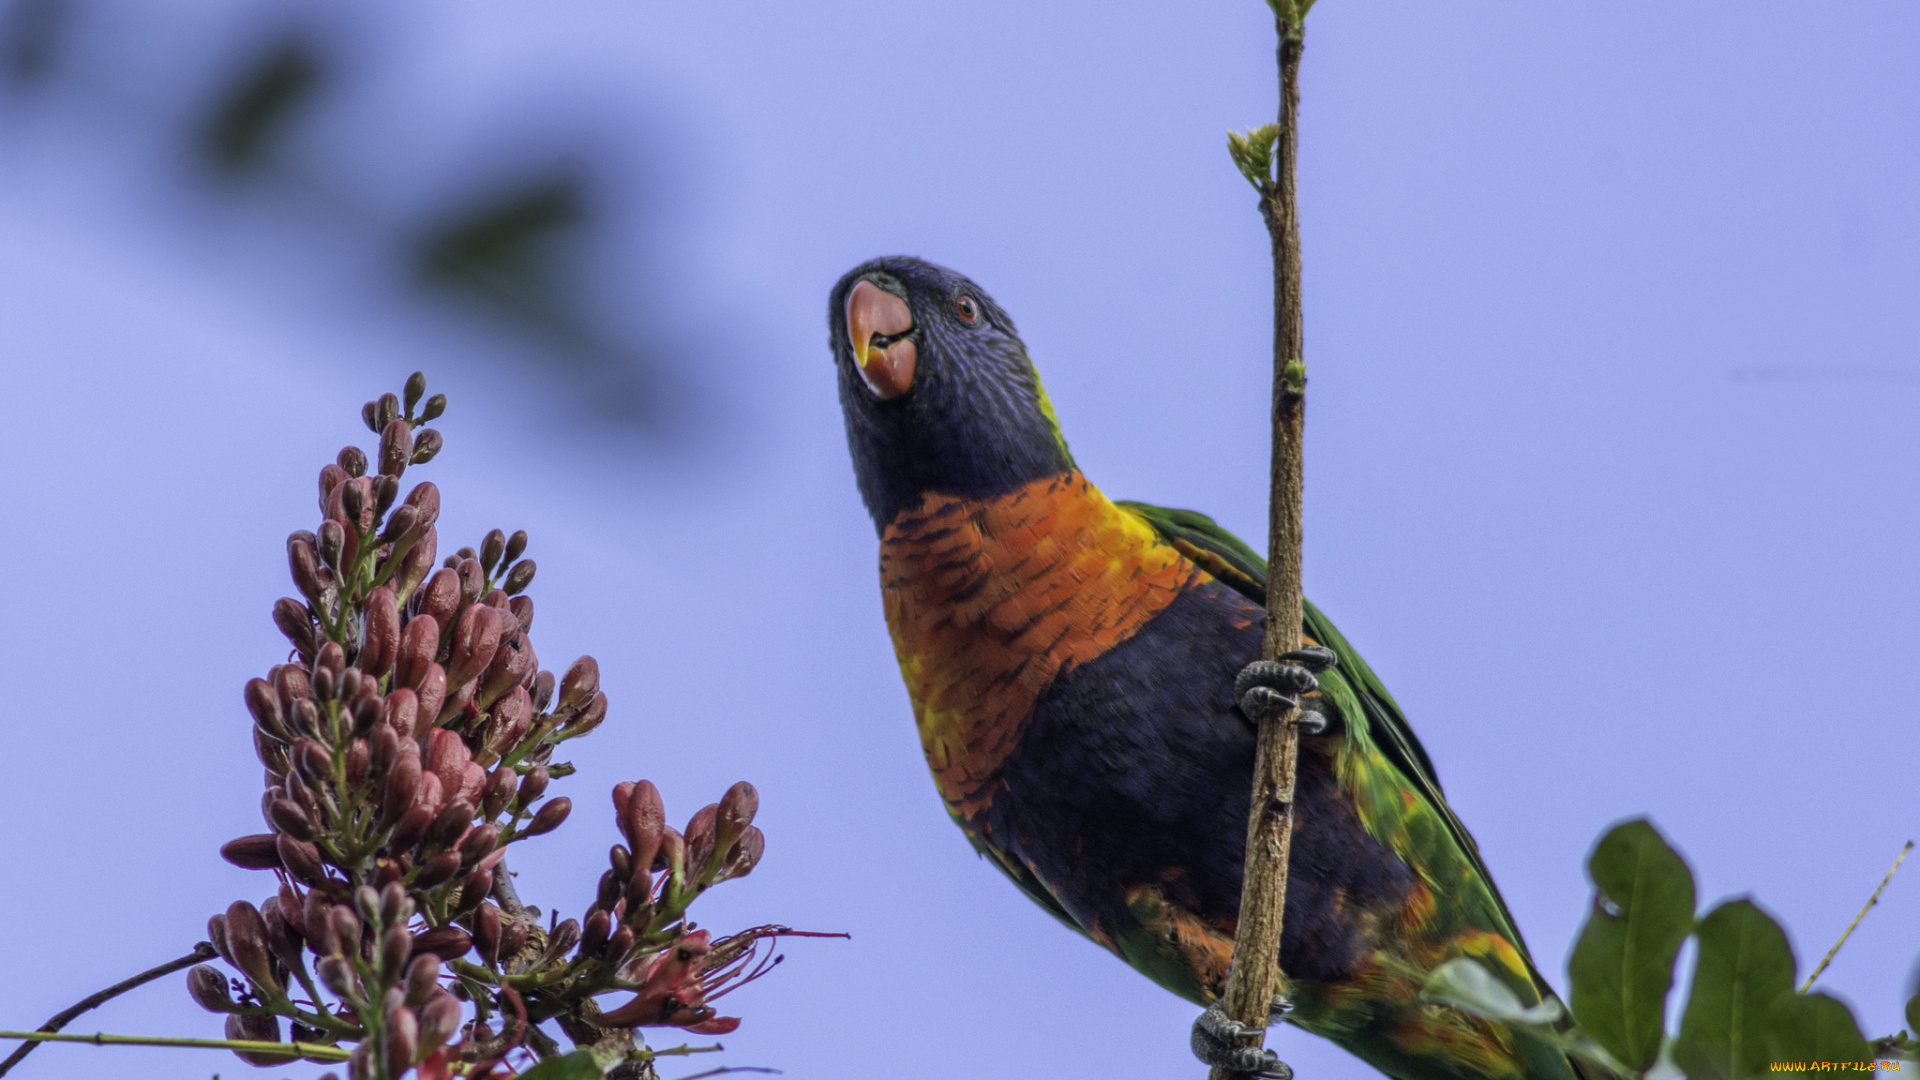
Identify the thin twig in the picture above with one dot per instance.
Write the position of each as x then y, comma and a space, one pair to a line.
1254, 978
725, 1069
318, 1051
1852, 926
200, 954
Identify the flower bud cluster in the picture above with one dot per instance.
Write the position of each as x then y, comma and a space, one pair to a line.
408, 743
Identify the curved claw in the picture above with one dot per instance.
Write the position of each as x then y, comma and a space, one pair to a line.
1315, 658
1216, 1042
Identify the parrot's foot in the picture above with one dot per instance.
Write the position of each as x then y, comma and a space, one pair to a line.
1218, 1042
1266, 688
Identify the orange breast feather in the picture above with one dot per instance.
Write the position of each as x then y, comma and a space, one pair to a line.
990, 600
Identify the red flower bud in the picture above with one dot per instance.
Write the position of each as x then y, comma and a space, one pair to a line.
581, 683
330, 477
290, 682
289, 818
542, 691
673, 852
247, 942
644, 821
455, 711
446, 754
446, 942
412, 826
476, 635
433, 696
336, 974
346, 928
427, 442
401, 710
746, 854
599, 928
589, 718
423, 978
480, 843
619, 944
293, 908
417, 563
282, 939
209, 989
736, 811
499, 791
318, 918
439, 870
490, 549
439, 1019
380, 640
332, 537
522, 608
451, 823
520, 577
549, 816
396, 450
312, 578
473, 781
331, 657
432, 794
264, 704
359, 763
439, 598
258, 1028
302, 860
385, 743
473, 579
313, 761
401, 1039
419, 643
563, 938
399, 528
486, 933
700, 839
511, 662
252, 852
473, 889
291, 617
401, 785
217, 936
531, 787
396, 947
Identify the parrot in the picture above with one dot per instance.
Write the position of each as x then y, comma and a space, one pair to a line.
1085, 677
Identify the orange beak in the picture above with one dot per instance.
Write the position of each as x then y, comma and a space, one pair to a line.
873, 311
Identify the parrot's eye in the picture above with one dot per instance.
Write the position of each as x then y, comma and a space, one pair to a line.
969, 311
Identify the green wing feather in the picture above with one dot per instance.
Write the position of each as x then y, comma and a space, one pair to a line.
1236, 565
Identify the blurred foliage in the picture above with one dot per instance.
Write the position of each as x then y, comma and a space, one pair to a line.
1743, 1018
510, 252
29, 39
510, 248
259, 104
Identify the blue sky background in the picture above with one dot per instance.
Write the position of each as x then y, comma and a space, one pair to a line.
1612, 320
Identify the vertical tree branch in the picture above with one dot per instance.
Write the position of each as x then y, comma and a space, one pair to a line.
1255, 976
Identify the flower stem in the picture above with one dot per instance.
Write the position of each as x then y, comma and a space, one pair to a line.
306, 1050
201, 953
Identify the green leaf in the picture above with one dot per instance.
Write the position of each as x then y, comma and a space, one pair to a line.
1466, 984
1913, 1015
1744, 972
578, 1065
1622, 966
1815, 1027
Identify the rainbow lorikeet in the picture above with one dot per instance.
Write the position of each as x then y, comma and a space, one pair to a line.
1072, 663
